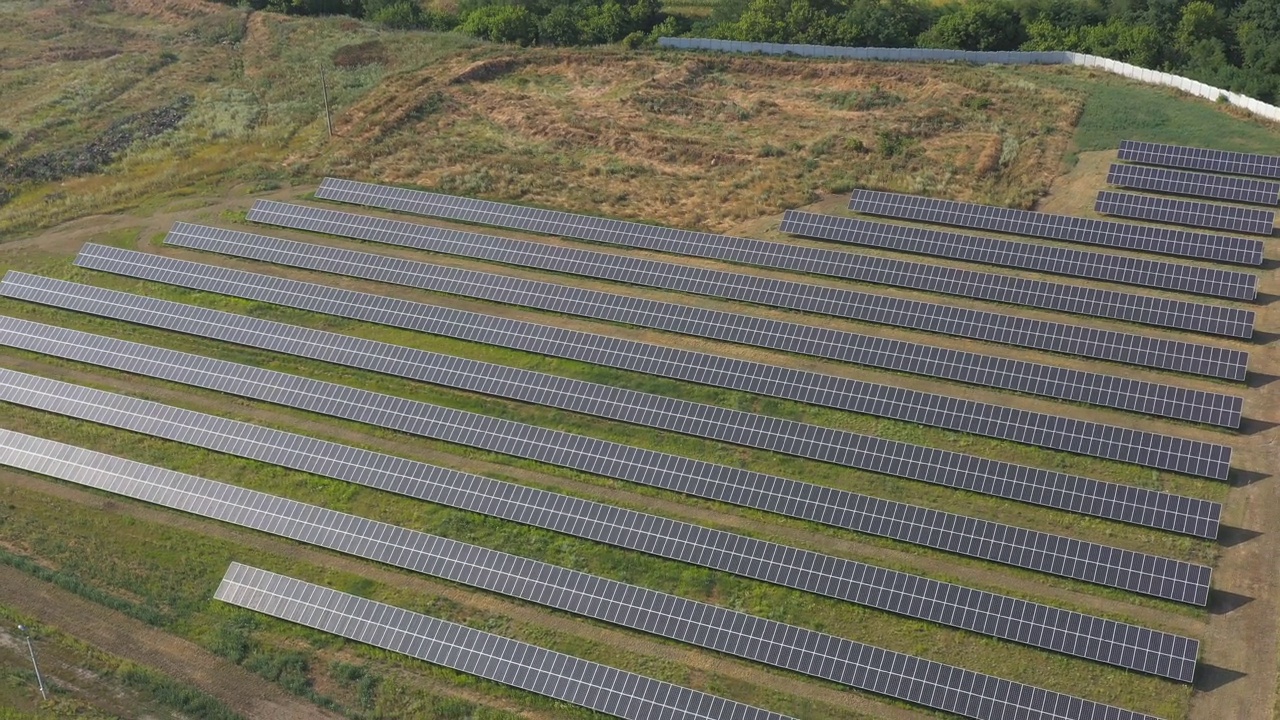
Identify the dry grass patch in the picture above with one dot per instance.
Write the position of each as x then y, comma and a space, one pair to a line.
702, 141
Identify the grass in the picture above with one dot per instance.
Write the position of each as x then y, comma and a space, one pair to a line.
1115, 110
136, 690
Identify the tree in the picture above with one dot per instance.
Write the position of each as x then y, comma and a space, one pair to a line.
1257, 33
979, 25
1200, 22
502, 23
559, 26
885, 23
402, 14
605, 23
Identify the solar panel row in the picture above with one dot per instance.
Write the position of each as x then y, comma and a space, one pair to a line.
699, 624
824, 390
963, 322
415, 634
1166, 241
1185, 212
1194, 184
1105, 390
967, 536
940, 279
1220, 161
1021, 621
475, 652
1041, 258
657, 411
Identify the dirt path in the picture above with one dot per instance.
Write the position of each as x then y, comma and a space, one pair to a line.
1240, 654
124, 637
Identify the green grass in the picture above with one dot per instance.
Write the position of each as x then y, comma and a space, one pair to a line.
1116, 110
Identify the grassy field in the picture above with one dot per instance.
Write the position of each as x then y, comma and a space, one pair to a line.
709, 142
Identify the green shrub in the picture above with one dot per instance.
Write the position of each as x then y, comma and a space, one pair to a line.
290, 669
502, 23
559, 27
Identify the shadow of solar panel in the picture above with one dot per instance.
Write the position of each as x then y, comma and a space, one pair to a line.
1147, 238
1194, 184
657, 411
1045, 258
474, 652
1193, 158
1026, 548
1035, 378
1038, 625
1185, 212
699, 624
962, 322
698, 367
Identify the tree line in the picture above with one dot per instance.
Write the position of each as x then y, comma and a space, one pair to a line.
1233, 44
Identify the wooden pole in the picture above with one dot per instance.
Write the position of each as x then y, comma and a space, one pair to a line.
328, 118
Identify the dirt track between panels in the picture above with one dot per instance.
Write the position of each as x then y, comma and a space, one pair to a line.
1239, 657
139, 643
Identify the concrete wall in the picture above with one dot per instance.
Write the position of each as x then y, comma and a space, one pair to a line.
1152, 77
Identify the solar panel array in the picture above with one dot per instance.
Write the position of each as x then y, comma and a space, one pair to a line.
830, 391
1194, 184
432, 555
932, 278
1030, 549
1030, 256
475, 652
1029, 623
1192, 158
1022, 376
1185, 212
656, 411
699, 624
964, 322
1128, 236
312, 605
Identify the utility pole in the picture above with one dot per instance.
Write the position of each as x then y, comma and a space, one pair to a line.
32, 649
328, 118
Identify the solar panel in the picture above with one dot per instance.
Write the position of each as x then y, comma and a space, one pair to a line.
528, 667
948, 688
1041, 258
696, 623
1194, 184
932, 361
1030, 549
1128, 236
953, 281
1185, 212
1192, 158
657, 411
844, 393
963, 322
1030, 623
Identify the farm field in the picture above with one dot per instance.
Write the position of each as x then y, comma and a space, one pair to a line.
223, 110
